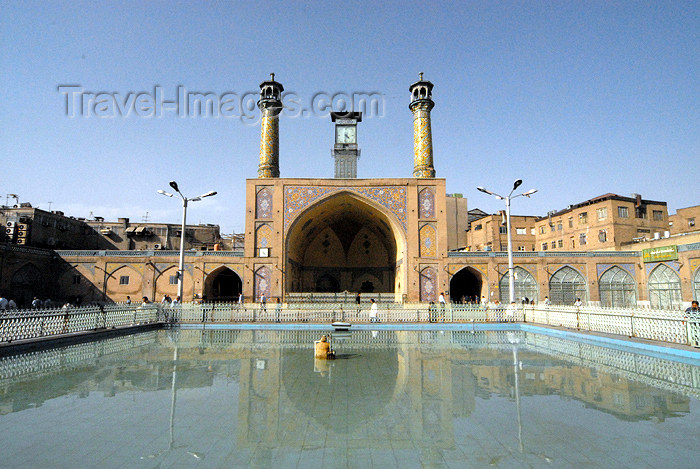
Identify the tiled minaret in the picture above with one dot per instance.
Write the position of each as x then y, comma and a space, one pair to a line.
270, 105
421, 104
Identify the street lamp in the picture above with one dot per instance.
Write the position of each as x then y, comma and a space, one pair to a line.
181, 267
511, 275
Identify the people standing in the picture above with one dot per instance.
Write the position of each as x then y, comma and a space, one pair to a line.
441, 299
546, 301
510, 311
373, 311
128, 300
358, 300
263, 301
693, 311
578, 302
278, 310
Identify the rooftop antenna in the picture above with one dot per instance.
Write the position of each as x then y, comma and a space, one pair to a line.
144, 218
49, 202
12, 196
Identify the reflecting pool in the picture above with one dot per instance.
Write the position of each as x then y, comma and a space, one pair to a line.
258, 398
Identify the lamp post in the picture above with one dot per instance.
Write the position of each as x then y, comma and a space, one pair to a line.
511, 275
185, 200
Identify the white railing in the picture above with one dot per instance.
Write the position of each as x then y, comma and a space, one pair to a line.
35, 323
662, 325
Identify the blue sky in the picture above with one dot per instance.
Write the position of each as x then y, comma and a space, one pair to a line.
576, 98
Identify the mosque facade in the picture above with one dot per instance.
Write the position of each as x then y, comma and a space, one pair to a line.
397, 239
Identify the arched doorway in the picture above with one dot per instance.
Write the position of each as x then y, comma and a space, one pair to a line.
223, 284
26, 283
344, 243
465, 284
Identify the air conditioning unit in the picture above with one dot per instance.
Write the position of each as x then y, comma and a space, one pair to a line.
22, 241
51, 241
22, 234
10, 224
106, 231
23, 226
157, 246
10, 231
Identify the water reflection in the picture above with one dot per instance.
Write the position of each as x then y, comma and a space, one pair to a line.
396, 390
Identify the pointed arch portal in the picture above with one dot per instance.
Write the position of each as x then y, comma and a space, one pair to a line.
344, 243
465, 284
223, 284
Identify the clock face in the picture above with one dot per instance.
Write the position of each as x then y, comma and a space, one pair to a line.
345, 134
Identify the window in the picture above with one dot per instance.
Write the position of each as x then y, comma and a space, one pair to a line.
602, 236
543, 229
503, 229
560, 243
583, 217
552, 228
560, 226
76, 279
623, 212
521, 248
554, 244
124, 280
691, 222
571, 222
640, 212
566, 285
582, 239
658, 215
664, 287
617, 288
602, 213
521, 231
532, 231
544, 246
173, 279
525, 285
477, 227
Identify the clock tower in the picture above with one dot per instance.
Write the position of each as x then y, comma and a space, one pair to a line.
345, 150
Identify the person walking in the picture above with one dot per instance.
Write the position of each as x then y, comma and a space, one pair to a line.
278, 310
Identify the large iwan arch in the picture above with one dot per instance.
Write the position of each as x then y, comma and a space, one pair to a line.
345, 242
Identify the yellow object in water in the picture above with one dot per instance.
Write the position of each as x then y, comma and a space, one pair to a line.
321, 348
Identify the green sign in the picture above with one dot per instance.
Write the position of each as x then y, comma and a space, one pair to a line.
663, 253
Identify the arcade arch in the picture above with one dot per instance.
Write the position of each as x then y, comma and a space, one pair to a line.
566, 285
664, 287
696, 285
466, 284
617, 288
345, 242
525, 286
222, 284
